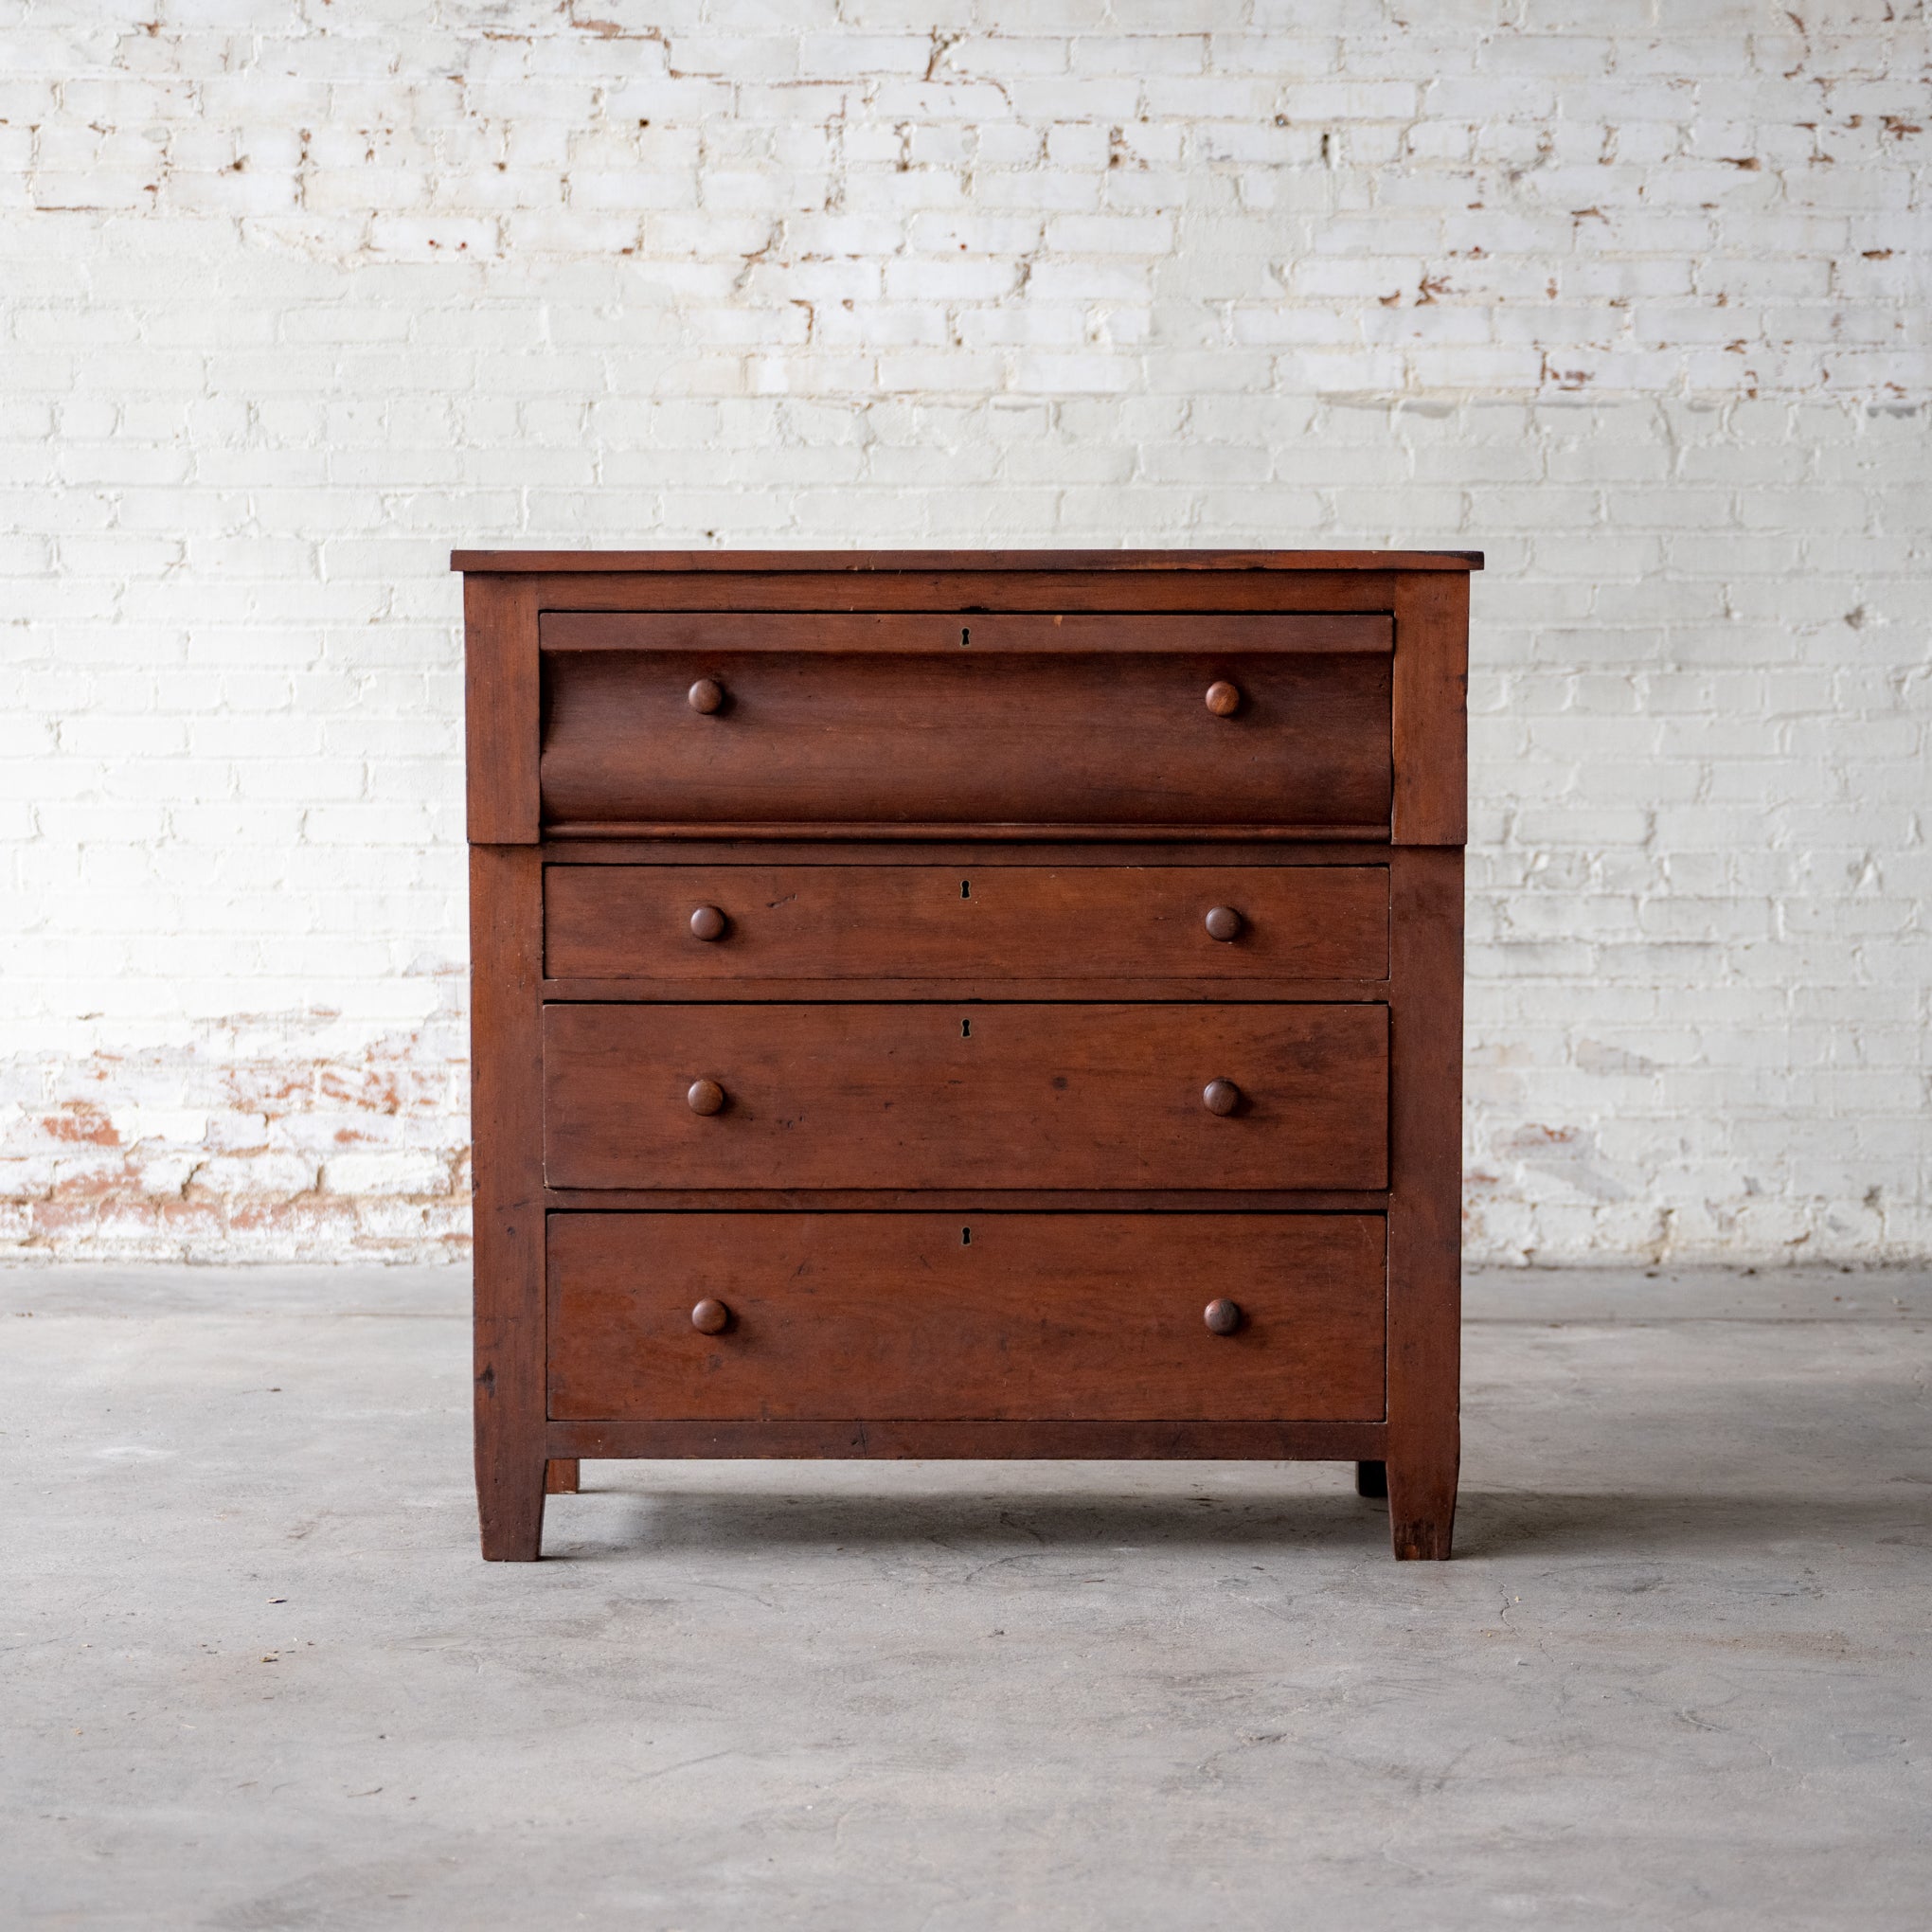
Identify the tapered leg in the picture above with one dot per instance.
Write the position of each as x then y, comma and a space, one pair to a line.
1421, 1507
505, 918
561, 1478
1425, 1201
1371, 1480
510, 1500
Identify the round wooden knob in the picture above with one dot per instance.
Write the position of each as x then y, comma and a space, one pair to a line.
712, 1318
1223, 922
1222, 1315
705, 695
1224, 699
1218, 1097
708, 923
706, 1096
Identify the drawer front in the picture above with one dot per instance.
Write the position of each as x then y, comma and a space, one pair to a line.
944, 1317
962, 1095
984, 738
950, 923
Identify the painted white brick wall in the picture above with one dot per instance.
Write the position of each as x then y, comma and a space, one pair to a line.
1629, 294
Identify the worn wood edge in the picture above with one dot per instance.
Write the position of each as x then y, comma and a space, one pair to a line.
904, 1439
935, 833
555, 563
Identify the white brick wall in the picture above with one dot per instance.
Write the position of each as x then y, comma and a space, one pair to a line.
1629, 293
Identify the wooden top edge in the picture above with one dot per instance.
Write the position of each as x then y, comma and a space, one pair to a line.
555, 563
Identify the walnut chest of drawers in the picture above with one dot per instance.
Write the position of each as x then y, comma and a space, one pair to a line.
967, 1005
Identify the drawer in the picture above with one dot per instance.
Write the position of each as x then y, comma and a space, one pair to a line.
963, 1095
1002, 737
943, 1318
832, 923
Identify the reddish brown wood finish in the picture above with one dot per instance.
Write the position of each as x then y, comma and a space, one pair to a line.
918, 1095
1021, 1318
974, 1200
1013, 847
945, 634
500, 709
506, 1109
1001, 923
1430, 711
1085, 826
1426, 1203
977, 737
851, 564
971, 593
900, 1438
819, 833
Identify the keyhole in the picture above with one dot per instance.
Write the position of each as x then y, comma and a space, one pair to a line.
965, 636
965, 1237
965, 889
965, 1029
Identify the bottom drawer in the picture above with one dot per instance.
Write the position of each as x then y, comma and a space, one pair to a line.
991, 1317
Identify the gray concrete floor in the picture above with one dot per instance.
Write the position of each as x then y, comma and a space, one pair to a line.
255, 1676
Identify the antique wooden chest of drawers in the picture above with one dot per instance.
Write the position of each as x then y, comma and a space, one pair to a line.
967, 1005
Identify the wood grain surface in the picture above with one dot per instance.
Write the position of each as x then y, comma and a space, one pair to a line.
1425, 1205
992, 737
804, 837
500, 708
1430, 706
1036, 1316
861, 1437
945, 632
921, 904
507, 1165
970, 591
997, 1096
889, 563
1036, 922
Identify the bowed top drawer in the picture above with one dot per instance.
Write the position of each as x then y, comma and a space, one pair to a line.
1249, 722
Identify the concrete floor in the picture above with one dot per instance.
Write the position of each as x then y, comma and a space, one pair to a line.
254, 1676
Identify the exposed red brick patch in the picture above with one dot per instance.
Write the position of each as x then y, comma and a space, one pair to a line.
259, 1137
83, 1122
